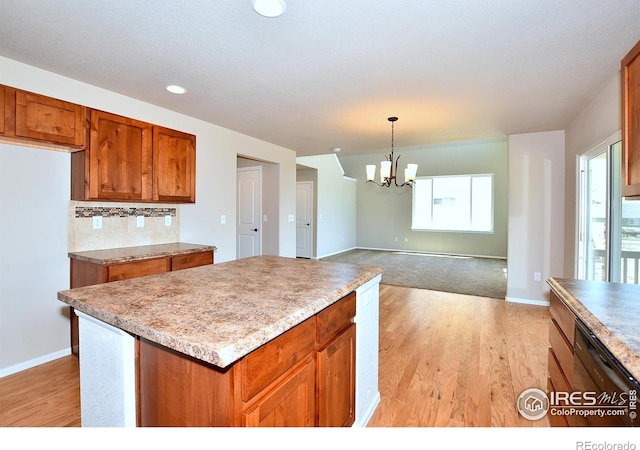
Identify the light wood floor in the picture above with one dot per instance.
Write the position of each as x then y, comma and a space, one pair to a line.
445, 360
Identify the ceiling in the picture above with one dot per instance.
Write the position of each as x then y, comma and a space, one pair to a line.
328, 73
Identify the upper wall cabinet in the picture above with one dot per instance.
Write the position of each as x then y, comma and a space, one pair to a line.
130, 160
630, 72
36, 118
174, 168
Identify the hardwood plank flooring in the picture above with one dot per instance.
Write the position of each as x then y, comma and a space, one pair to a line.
43, 396
446, 360
455, 360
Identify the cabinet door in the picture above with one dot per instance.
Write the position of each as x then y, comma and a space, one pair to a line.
291, 403
189, 260
49, 119
174, 166
119, 158
126, 271
336, 381
630, 72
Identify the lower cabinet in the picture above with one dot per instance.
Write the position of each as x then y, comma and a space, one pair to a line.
336, 381
304, 377
560, 358
85, 273
290, 403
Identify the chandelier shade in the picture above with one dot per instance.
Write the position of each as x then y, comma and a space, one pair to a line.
389, 168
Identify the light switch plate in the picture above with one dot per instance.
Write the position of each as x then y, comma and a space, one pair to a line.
223, 219
140, 221
97, 222
167, 220
292, 217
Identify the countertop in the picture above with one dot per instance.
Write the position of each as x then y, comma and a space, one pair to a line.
128, 254
218, 313
611, 311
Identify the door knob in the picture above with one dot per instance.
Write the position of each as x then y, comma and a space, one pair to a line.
308, 224
254, 229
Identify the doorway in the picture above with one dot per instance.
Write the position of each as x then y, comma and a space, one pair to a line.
609, 225
304, 219
249, 210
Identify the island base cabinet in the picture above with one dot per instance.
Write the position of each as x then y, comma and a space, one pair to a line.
304, 377
336, 381
291, 403
177, 390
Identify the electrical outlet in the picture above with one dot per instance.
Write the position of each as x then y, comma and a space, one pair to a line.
292, 218
167, 220
223, 219
140, 221
97, 222
536, 276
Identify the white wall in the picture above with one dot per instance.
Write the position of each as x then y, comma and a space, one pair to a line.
34, 192
217, 149
536, 214
335, 205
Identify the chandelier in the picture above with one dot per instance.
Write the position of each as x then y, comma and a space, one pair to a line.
389, 168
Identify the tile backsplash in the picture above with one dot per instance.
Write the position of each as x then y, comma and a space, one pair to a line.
120, 225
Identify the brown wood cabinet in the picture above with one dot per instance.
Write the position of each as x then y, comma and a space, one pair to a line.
131, 160
29, 117
117, 165
630, 73
561, 353
174, 168
304, 377
86, 273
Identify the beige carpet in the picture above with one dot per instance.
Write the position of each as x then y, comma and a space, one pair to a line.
485, 277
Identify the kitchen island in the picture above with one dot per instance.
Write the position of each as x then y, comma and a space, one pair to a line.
247, 327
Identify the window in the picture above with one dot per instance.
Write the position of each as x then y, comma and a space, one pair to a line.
453, 203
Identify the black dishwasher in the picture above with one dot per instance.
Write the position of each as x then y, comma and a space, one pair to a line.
606, 389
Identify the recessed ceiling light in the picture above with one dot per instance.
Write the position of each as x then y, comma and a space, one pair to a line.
175, 89
269, 8
336, 149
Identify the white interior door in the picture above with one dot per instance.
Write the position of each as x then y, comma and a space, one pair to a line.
248, 228
304, 219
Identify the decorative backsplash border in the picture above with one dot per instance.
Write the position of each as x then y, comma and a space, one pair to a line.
88, 212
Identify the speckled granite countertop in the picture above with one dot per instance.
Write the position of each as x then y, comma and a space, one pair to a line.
611, 311
219, 313
127, 254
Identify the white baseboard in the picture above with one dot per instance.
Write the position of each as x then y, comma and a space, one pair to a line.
34, 362
336, 253
427, 252
527, 301
364, 420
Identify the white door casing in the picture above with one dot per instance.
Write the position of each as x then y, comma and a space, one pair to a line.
248, 228
304, 219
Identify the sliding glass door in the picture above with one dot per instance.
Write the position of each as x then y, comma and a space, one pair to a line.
609, 225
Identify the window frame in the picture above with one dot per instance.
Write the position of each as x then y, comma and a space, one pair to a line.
471, 176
